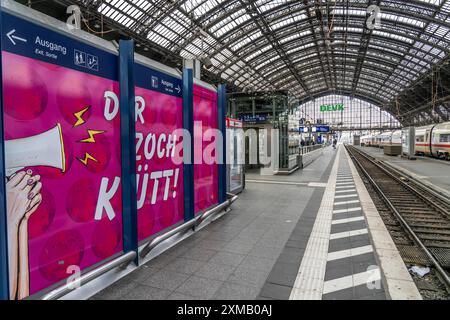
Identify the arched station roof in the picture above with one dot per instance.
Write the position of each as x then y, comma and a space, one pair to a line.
310, 47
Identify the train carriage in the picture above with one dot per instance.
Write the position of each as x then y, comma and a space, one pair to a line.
440, 141
434, 140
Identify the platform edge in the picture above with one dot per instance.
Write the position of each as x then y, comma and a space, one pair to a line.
399, 284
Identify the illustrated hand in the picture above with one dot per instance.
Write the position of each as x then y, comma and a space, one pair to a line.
23, 196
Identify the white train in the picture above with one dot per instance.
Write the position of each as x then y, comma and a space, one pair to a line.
383, 139
432, 140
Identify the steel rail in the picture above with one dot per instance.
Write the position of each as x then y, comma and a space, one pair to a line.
441, 271
375, 162
61, 291
187, 225
125, 259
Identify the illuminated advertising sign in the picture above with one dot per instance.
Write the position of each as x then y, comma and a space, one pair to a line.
159, 178
63, 155
206, 184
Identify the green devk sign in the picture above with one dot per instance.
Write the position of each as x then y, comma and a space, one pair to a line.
334, 107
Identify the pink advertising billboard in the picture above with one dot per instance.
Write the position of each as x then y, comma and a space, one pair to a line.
205, 165
159, 107
63, 171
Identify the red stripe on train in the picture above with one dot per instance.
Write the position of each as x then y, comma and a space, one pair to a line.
434, 145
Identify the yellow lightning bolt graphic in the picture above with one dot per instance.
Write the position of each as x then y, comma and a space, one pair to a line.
91, 134
87, 157
79, 116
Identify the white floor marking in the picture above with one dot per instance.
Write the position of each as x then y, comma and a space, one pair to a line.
348, 220
347, 210
353, 195
344, 191
345, 202
317, 184
343, 183
346, 187
311, 274
367, 277
398, 283
278, 182
349, 253
348, 234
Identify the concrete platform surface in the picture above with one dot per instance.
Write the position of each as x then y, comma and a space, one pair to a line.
233, 256
303, 236
433, 171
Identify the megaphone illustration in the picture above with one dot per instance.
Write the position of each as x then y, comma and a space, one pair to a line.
44, 149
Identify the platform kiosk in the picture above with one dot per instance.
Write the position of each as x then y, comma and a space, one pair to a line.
409, 143
235, 156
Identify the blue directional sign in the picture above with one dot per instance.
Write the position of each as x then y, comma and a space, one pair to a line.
28, 39
31, 40
314, 129
151, 79
257, 118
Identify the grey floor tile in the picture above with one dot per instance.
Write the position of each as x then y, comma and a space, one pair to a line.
200, 287
160, 261
283, 274
258, 263
248, 276
222, 236
199, 253
379, 296
238, 247
181, 296
227, 258
184, 265
116, 291
210, 244
291, 255
360, 243
360, 238
365, 291
248, 239
338, 246
141, 274
142, 292
275, 291
338, 271
367, 257
265, 252
215, 271
346, 294
233, 291
337, 228
272, 242
364, 266
165, 279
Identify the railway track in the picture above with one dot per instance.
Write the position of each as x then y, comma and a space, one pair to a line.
417, 218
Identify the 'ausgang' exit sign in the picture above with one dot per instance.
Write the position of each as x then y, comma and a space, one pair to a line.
332, 107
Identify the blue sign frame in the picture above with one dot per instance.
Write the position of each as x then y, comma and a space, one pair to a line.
4, 273
221, 112
128, 147
75, 53
188, 125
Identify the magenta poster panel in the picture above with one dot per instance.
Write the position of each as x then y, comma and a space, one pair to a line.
62, 133
205, 173
159, 178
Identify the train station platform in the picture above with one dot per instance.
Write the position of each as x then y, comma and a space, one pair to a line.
433, 172
311, 235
